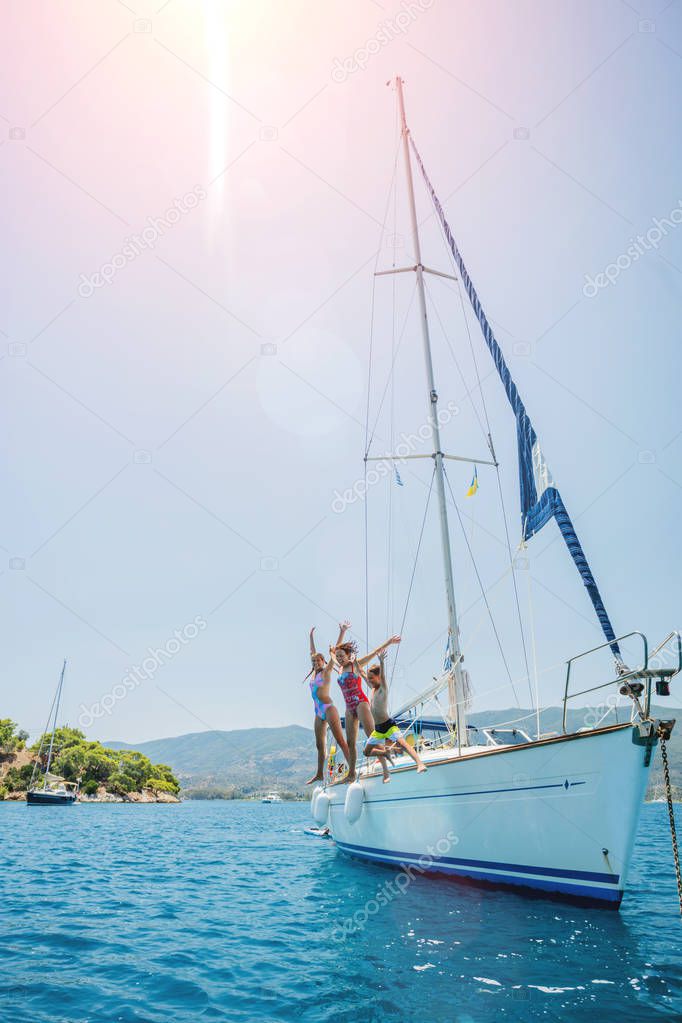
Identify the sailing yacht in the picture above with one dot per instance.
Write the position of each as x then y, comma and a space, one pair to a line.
556, 813
53, 791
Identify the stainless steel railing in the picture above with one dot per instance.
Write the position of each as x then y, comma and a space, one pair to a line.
647, 671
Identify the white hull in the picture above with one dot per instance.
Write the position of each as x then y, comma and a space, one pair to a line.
559, 815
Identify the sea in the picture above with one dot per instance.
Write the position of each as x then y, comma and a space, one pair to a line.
217, 910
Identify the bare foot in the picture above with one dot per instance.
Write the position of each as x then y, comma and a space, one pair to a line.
421, 768
318, 777
387, 778
350, 778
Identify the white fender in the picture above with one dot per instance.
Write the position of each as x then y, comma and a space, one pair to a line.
355, 797
316, 792
321, 808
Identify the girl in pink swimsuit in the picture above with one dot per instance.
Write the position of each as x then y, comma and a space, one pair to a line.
325, 711
357, 705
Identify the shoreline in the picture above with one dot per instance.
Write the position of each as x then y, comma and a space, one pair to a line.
144, 798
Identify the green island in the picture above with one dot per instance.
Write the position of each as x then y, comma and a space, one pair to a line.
105, 775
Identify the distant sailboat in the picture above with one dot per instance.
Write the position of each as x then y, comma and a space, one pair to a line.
53, 791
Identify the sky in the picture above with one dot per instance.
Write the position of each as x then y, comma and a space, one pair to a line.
198, 195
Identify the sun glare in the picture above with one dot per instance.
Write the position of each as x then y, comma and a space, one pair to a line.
216, 43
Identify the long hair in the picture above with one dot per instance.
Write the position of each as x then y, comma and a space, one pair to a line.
313, 668
350, 648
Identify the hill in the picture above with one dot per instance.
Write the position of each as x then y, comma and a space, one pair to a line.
247, 758
253, 758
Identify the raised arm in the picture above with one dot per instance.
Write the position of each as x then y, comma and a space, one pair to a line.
382, 670
343, 629
329, 666
362, 661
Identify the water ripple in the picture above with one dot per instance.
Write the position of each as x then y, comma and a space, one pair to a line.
227, 912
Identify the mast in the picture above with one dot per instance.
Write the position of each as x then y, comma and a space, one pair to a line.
56, 715
453, 629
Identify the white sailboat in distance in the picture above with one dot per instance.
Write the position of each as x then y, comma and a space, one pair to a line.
556, 813
53, 791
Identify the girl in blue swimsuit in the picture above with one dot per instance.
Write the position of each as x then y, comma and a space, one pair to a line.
325, 711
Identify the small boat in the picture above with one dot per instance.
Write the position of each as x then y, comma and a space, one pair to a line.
54, 791
271, 797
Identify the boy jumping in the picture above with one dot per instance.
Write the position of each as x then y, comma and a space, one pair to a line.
385, 728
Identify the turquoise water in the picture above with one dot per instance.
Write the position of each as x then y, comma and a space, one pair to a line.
228, 911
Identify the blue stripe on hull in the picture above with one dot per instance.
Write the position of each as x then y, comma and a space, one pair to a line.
562, 881
566, 785
574, 875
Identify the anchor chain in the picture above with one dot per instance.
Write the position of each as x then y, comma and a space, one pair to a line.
669, 796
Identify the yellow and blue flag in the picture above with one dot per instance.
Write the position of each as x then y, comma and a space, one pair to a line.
474, 483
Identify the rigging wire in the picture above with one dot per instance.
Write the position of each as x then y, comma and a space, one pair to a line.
467, 389
500, 491
452, 732
414, 567
366, 532
369, 383
369, 438
389, 378
389, 530
510, 554
42, 739
483, 593
472, 633
534, 649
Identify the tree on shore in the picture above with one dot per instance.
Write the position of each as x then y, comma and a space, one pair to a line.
11, 739
75, 758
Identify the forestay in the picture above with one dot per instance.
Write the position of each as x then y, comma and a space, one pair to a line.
540, 500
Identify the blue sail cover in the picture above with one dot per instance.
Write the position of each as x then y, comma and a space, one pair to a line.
540, 500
